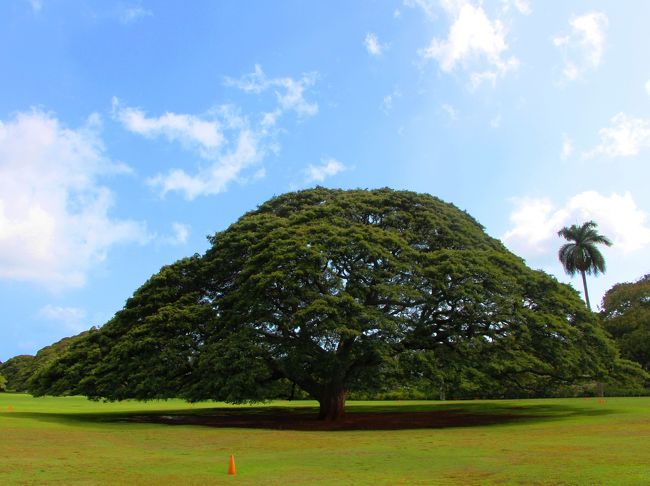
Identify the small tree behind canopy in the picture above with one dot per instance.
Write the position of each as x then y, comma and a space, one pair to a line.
626, 314
337, 291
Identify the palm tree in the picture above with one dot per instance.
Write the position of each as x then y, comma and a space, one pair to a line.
581, 254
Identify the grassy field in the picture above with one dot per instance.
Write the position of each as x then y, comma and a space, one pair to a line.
545, 442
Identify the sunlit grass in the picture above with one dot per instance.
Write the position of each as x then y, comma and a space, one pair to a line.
560, 441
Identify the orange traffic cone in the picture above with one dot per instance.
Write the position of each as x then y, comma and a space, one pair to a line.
232, 470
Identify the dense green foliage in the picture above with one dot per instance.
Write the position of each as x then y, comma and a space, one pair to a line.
581, 254
3, 383
20, 369
626, 314
338, 292
17, 371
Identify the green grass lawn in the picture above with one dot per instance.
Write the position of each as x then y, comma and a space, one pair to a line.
560, 441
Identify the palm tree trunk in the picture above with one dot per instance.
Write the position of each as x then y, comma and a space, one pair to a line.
600, 386
584, 284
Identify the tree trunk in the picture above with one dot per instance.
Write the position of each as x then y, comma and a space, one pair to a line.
332, 404
584, 284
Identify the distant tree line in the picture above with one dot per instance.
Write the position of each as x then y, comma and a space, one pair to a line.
19, 370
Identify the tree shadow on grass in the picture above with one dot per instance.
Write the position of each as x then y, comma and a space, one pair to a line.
358, 417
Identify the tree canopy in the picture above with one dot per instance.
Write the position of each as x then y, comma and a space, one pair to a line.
626, 314
335, 292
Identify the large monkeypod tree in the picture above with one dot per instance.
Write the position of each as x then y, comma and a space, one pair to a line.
334, 292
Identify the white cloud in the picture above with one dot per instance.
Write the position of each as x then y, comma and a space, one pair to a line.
373, 46
54, 214
536, 221
495, 122
625, 137
289, 92
72, 318
583, 47
567, 147
474, 42
215, 178
647, 87
190, 130
132, 13
327, 168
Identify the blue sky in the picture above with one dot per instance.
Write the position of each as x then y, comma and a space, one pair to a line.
131, 130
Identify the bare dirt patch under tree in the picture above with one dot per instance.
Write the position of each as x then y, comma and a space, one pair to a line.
302, 420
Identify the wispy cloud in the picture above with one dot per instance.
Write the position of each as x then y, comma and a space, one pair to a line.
290, 92
180, 234
521, 6
582, 48
388, 100
427, 6
327, 168
567, 147
224, 137
132, 13
73, 319
373, 46
451, 111
55, 222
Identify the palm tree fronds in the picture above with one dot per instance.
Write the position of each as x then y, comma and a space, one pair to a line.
581, 253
